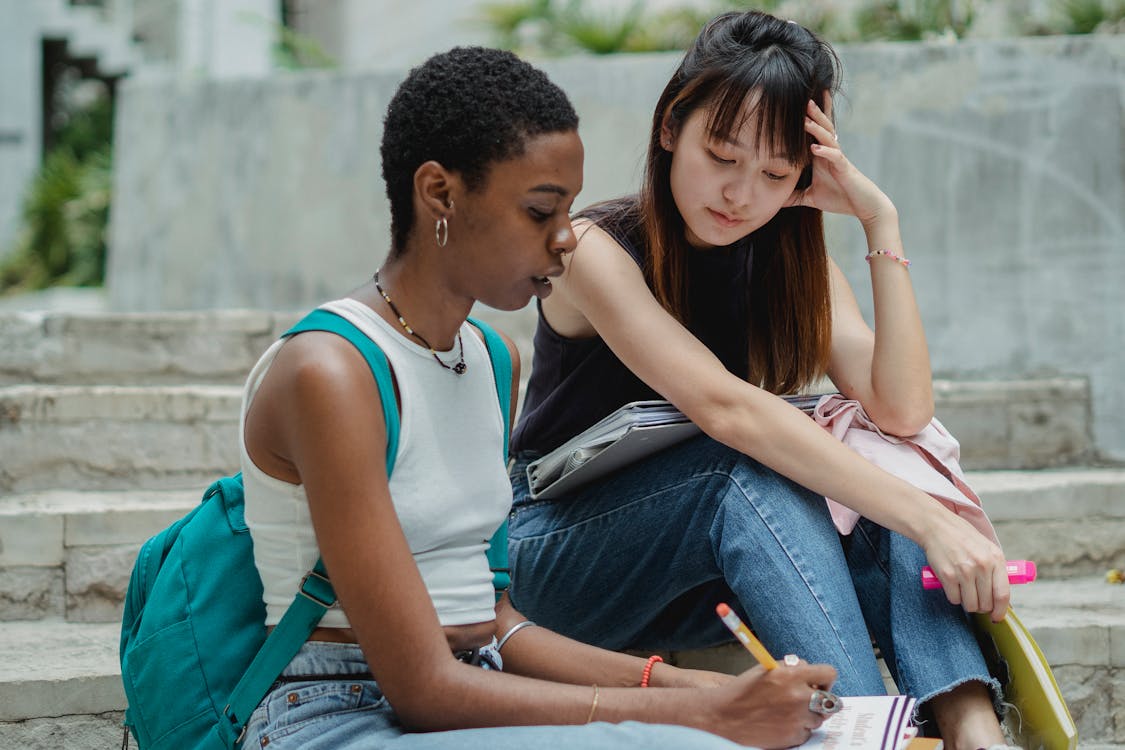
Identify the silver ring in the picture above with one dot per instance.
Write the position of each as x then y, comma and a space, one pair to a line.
824, 703
791, 660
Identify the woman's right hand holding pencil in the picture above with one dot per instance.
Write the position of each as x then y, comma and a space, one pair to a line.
770, 708
780, 705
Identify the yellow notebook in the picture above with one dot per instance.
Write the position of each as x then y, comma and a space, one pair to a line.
1040, 719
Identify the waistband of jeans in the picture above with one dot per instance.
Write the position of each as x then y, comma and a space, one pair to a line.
328, 661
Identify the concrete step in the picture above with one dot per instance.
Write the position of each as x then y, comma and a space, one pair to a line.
68, 554
1018, 424
106, 437
60, 686
1004, 424
59, 678
1071, 522
114, 436
135, 348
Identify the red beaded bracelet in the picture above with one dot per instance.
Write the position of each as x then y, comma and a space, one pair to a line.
647, 674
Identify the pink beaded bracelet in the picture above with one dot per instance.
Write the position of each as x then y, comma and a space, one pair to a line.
887, 254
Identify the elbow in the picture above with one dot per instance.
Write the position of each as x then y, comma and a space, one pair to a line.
727, 421
422, 704
906, 421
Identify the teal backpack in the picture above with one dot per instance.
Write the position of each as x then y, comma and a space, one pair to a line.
195, 659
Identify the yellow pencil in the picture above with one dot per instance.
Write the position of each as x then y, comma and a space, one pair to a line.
743, 634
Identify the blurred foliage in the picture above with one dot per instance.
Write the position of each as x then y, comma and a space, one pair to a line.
296, 51
1089, 16
556, 27
894, 20
600, 33
65, 215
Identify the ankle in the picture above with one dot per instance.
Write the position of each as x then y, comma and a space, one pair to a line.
966, 719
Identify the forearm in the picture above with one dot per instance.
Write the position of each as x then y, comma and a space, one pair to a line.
901, 379
787, 441
541, 653
471, 697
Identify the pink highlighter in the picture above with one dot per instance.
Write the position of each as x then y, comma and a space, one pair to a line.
1019, 571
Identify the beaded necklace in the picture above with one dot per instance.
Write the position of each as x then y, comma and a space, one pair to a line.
459, 367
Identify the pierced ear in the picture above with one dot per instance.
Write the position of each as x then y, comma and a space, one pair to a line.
667, 133
434, 186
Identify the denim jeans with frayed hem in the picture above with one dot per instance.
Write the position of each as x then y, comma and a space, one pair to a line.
639, 560
343, 714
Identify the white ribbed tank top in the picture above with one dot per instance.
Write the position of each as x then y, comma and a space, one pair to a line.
449, 486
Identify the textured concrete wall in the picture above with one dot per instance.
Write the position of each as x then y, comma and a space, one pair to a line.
20, 119
1006, 160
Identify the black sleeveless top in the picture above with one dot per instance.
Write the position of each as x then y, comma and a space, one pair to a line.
576, 382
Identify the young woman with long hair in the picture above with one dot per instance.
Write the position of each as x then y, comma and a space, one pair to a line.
712, 288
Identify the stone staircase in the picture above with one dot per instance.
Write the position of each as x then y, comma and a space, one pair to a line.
111, 425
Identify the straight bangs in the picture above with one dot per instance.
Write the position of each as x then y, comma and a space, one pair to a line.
770, 92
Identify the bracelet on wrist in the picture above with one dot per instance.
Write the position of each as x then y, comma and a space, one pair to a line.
887, 254
646, 675
514, 629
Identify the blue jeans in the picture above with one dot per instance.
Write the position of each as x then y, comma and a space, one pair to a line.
640, 559
343, 714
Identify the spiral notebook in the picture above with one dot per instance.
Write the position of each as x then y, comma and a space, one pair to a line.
636, 430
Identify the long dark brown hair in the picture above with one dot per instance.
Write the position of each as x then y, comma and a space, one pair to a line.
777, 66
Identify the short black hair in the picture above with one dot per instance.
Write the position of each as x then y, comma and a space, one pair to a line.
465, 109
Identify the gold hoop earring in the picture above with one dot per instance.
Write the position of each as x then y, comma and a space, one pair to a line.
441, 231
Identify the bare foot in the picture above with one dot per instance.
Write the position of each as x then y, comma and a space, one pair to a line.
965, 718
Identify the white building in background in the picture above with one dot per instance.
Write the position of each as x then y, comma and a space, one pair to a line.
368, 34
107, 39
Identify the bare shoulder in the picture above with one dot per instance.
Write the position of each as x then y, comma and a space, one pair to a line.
321, 384
590, 235
318, 387
317, 361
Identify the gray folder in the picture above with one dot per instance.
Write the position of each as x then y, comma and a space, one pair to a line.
634, 431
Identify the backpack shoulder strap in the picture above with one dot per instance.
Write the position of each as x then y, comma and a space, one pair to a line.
316, 594
502, 371
324, 320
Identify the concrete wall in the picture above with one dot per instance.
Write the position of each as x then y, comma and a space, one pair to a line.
20, 114
1006, 160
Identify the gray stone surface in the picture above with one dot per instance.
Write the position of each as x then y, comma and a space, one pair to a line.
123, 349
1004, 157
1092, 695
1070, 522
92, 538
96, 580
1079, 625
1015, 424
82, 732
30, 593
30, 539
52, 669
98, 437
